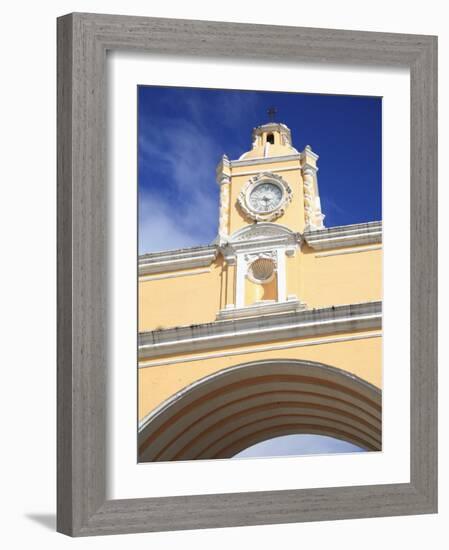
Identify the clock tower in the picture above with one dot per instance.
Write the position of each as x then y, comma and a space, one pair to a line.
268, 198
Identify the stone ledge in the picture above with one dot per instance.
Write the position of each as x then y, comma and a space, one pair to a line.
261, 308
344, 236
172, 260
273, 326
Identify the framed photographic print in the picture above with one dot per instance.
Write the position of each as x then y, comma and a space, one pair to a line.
247, 274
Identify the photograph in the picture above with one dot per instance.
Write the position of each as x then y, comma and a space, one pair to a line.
259, 273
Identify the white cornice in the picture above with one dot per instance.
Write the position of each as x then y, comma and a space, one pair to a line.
258, 237
171, 260
291, 242
344, 251
309, 153
272, 127
257, 171
243, 241
302, 324
344, 236
175, 274
261, 230
260, 349
262, 308
263, 160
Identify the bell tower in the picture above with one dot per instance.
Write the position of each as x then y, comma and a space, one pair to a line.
272, 182
268, 198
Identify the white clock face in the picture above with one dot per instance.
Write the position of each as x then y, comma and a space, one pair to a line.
265, 197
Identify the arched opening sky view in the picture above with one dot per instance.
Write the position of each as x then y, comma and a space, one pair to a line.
182, 134
298, 445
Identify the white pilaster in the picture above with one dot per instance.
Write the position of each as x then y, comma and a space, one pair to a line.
240, 281
281, 275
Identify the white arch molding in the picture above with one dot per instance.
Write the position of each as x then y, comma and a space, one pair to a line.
263, 230
220, 415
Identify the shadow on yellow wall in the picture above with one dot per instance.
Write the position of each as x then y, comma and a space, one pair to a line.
256, 292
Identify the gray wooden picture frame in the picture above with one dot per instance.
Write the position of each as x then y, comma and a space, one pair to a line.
83, 40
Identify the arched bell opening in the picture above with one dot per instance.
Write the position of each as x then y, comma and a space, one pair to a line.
261, 282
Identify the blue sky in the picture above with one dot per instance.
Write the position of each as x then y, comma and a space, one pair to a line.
183, 132
296, 445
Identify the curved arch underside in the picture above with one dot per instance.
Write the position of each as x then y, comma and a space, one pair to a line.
222, 414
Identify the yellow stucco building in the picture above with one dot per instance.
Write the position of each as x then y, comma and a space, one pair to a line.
273, 329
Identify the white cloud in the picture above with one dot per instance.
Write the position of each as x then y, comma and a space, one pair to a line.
185, 154
160, 229
188, 214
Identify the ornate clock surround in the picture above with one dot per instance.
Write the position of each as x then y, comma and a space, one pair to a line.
243, 199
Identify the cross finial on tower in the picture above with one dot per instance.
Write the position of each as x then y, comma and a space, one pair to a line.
271, 112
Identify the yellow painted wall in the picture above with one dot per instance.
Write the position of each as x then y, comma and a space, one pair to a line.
335, 279
317, 280
183, 300
255, 292
361, 357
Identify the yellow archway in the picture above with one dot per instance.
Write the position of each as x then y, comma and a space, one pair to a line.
230, 410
